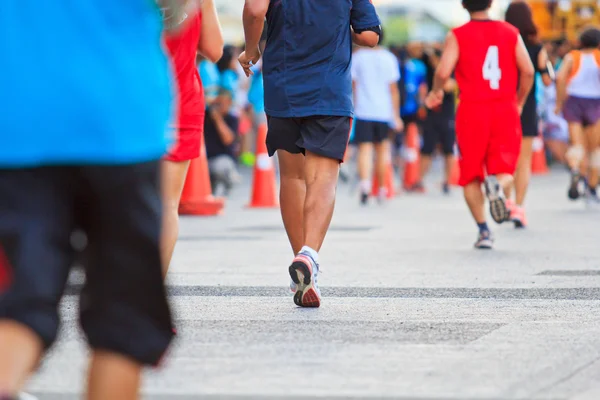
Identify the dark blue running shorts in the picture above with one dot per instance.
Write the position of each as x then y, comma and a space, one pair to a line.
323, 135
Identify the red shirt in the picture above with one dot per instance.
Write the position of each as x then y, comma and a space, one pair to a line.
182, 48
487, 62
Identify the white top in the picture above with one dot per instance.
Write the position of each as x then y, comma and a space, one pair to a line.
373, 70
585, 82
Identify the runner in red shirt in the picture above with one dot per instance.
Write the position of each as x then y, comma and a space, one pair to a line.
199, 31
490, 60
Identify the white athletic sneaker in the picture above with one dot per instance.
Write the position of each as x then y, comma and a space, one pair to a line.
485, 240
498, 208
304, 273
592, 201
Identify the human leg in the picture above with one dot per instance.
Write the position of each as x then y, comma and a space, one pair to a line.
173, 174
36, 221
124, 295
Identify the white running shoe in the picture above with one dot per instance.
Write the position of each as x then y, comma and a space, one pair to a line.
498, 208
485, 241
304, 273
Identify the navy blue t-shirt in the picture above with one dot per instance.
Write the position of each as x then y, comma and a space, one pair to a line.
307, 58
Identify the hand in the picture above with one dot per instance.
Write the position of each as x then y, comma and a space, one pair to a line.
434, 99
248, 59
398, 124
520, 109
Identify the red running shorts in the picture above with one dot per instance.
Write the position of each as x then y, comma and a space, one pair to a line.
488, 135
187, 146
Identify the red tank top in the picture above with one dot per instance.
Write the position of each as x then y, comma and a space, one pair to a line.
182, 49
487, 63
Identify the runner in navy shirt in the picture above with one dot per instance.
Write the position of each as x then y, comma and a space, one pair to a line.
308, 101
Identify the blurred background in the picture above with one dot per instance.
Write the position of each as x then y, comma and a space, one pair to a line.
414, 31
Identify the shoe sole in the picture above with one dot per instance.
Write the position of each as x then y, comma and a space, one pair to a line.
306, 295
498, 209
487, 245
573, 193
574, 189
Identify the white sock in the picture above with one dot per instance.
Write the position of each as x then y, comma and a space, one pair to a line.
311, 252
383, 192
365, 186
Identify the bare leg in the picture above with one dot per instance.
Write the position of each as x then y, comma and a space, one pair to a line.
523, 173
292, 195
365, 166
476, 201
448, 165
558, 149
382, 154
425, 165
20, 352
114, 377
574, 156
172, 181
592, 134
321, 180
505, 180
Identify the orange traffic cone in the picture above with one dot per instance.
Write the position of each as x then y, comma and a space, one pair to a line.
197, 198
264, 188
539, 166
411, 157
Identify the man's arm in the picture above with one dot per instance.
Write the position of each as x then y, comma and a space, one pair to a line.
562, 77
253, 18
450, 86
395, 91
526, 73
366, 38
366, 26
447, 63
211, 39
545, 68
443, 72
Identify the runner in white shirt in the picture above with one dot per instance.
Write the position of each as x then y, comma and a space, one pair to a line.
375, 76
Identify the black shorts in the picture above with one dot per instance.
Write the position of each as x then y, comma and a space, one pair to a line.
412, 118
438, 129
123, 305
529, 120
370, 131
322, 135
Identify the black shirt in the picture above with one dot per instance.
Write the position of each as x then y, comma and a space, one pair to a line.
214, 145
448, 107
534, 54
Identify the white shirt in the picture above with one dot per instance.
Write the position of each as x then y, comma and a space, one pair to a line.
373, 70
585, 82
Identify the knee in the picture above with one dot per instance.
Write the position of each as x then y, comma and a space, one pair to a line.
576, 153
37, 313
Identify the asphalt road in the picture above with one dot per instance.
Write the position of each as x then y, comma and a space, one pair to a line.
410, 310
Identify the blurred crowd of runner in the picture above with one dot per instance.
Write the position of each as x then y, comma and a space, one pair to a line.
235, 109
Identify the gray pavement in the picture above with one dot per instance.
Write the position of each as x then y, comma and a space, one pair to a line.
410, 311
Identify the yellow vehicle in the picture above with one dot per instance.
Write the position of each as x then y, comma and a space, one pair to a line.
564, 18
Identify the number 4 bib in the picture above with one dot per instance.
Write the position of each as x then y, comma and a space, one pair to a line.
491, 68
